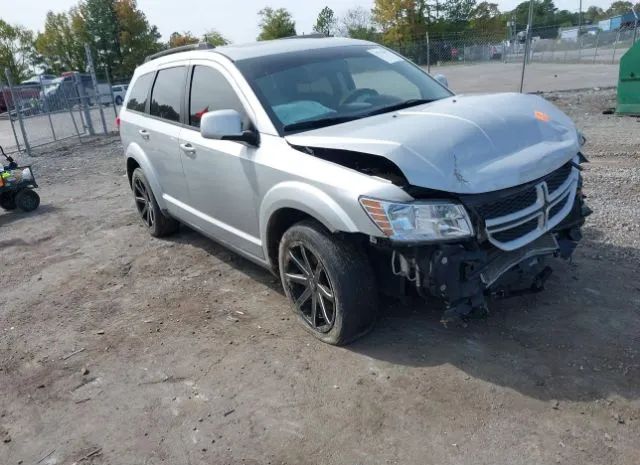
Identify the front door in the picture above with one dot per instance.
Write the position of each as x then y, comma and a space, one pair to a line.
220, 174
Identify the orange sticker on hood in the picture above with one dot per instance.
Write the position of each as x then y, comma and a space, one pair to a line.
541, 116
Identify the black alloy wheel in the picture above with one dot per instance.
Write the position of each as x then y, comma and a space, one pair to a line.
310, 287
143, 202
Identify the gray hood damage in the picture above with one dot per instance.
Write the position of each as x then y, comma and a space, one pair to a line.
461, 144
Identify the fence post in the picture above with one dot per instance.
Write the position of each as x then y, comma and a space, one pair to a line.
46, 107
7, 73
527, 44
113, 99
428, 54
92, 71
595, 54
615, 46
84, 103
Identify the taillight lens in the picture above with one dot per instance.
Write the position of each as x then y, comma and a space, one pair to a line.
118, 122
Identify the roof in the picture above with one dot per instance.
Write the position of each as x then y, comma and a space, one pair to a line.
253, 50
273, 47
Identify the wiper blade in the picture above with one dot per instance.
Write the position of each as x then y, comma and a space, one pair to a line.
320, 123
400, 106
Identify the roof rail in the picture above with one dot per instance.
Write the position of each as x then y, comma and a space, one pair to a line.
315, 35
183, 48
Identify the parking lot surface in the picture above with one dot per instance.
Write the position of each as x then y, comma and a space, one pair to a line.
117, 348
539, 77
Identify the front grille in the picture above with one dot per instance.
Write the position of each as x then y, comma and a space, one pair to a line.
508, 205
558, 177
517, 232
526, 203
553, 211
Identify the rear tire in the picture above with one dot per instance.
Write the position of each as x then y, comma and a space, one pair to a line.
329, 282
27, 200
158, 224
8, 201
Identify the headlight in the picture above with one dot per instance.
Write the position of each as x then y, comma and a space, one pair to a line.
419, 221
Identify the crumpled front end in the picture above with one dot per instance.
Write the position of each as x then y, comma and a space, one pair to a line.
518, 231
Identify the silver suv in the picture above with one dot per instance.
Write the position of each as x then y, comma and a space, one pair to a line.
350, 172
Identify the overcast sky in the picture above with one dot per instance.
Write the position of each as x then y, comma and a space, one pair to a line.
235, 19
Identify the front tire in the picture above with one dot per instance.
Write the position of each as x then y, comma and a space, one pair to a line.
157, 223
329, 283
27, 200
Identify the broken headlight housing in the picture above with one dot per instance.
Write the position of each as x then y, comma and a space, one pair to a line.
419, 221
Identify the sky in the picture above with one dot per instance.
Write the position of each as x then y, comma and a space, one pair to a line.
237, 20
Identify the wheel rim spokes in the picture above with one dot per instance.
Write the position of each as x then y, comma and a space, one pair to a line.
310, 288
143, 202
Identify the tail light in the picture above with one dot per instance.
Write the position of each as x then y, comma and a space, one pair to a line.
118, 122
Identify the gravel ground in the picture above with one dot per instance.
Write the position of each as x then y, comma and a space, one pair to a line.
117, 348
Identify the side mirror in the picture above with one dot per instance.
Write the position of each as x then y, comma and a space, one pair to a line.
442, 80
226, 125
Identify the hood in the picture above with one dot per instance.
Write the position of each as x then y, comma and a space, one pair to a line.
461, 144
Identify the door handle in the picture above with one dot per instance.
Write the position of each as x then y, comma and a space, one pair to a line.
188, 148
144, 133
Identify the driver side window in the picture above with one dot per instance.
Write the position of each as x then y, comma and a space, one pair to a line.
210, 91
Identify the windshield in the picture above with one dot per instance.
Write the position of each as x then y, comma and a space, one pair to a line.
316, 88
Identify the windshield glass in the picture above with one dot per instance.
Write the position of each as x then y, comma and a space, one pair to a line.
316, 88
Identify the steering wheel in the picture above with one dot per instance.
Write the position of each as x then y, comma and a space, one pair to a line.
355, 94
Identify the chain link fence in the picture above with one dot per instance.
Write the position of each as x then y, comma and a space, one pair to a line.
71, 106
591, 47
605, 47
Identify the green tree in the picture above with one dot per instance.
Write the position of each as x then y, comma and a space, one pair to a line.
459, 11
562, 18
137, 38
326, 22
60, 45
214, 38
486, 17
401, 21
544, 13
275, 24
619, 8
103, 30
178, 39
593, 15
16, 50
357, 24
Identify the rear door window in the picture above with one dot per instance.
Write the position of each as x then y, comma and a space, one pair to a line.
138, 98
211, 91
166, 96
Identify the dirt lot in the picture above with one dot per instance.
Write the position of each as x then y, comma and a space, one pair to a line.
116, 348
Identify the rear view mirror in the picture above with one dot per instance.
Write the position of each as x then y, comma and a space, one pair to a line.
226, 125
442, 80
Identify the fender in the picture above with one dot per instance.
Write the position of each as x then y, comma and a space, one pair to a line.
135, 151
308, 199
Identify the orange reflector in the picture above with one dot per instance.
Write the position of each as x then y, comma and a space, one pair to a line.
541, 116
370, 203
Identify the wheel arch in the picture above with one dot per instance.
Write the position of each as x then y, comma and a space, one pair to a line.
291, 202
136, 158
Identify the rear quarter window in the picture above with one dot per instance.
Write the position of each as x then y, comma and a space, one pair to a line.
139, 92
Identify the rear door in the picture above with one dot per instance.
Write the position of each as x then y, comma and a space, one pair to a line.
161, 131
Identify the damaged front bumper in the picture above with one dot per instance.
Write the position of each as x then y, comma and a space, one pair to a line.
465, 274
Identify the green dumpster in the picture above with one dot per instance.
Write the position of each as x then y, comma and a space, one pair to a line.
629, 82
